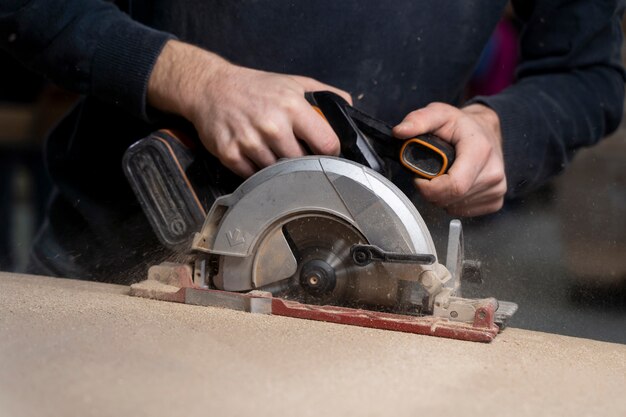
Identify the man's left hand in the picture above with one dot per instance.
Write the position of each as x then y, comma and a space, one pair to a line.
475, 184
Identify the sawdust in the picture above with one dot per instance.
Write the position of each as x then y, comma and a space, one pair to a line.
151, 288
77, 348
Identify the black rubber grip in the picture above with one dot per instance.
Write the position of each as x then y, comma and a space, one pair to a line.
427, 155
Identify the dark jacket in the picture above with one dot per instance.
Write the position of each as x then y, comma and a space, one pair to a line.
392, 57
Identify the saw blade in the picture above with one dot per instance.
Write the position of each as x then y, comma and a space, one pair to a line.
326, 273
321, 246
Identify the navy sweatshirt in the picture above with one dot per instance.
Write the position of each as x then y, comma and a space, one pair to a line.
393, 57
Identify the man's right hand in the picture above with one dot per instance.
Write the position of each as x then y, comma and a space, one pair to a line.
246, 118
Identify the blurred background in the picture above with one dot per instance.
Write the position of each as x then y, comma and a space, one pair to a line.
560, 253
29, 108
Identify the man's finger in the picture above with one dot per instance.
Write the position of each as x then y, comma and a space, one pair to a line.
287, 147
484, 193
280, 138
429, 119
457, 183
473, 153
311, 84
240, 165
259, 153
245, 142
480, 191
477, 200
478, 209
313, 130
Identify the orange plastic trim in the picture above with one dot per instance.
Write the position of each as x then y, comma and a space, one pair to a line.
428, 145
319, 111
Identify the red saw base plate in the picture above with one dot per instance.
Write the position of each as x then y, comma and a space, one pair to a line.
177, 286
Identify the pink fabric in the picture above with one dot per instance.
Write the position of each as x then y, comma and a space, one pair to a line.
502, 61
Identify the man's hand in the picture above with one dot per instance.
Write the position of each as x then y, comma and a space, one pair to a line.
475, 184
246, 118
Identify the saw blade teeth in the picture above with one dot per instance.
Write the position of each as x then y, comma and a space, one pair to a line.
325, 239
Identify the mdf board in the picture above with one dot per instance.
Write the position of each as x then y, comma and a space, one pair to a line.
80, 348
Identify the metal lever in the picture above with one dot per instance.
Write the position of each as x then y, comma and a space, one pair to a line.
363, 255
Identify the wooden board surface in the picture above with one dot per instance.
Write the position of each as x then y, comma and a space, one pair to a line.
86, 349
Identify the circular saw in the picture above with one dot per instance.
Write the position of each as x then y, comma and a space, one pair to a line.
317, 237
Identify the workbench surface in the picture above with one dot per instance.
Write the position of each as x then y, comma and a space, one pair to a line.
75, 348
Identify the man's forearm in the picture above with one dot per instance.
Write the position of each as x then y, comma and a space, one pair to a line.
179, 70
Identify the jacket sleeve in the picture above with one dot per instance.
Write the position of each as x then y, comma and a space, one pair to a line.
569, 91
87, 46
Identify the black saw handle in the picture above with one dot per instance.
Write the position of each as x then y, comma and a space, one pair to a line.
354, 145
427, 155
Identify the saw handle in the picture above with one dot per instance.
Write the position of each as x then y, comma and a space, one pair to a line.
354, 145
427, 156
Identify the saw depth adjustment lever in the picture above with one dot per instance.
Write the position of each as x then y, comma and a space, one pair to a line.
363, 255
365, 139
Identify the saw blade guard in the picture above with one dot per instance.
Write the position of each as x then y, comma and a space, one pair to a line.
245, 227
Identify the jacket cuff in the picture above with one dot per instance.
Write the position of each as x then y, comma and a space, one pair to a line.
123, 62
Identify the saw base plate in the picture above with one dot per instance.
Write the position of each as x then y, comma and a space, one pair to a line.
174, 283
